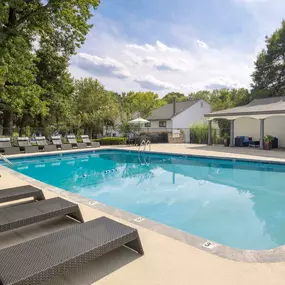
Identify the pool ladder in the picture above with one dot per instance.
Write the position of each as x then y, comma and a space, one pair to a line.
144, 144
5, 159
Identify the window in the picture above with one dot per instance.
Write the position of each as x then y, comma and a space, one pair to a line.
201, 104
147, 125
162, 124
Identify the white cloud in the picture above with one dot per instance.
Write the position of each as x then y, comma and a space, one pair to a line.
151, 83
122, 64
162, 65
145, 47
159, 46
202, 44
100, 66
222, 82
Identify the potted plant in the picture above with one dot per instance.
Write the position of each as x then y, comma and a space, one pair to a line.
226, 139
267, 142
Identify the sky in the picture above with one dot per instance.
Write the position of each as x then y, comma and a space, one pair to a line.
176, 45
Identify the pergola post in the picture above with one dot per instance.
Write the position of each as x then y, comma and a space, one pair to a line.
261, 133
232, 139
210, 133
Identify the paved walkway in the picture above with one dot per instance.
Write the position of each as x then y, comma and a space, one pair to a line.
221, 151
166, 261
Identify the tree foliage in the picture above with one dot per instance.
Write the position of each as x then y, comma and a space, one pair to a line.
142, 103
180, 97
269, 75
31, 32
94, 105
224, 98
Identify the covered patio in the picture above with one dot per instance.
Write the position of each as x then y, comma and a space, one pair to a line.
260, 110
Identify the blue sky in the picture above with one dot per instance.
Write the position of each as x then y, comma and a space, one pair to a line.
181, 45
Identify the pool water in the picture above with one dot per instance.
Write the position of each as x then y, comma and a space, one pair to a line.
236, 203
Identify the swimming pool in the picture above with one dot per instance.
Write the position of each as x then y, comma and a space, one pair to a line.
235, 203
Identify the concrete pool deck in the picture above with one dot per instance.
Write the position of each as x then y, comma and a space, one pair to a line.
166, 260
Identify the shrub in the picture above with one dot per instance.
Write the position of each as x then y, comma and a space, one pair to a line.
199, 134
111, 141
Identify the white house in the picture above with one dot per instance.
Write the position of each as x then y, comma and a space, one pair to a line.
178, 115
260, 117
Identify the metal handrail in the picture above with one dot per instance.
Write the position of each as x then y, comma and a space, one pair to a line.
147, 144
142, 144
5, 159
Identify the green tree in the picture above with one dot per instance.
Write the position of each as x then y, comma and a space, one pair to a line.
269, 75
138, 102
201, 95
223, 98
95, 106
180, 97
25, 26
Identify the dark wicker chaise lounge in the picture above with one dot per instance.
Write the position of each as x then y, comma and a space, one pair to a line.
72, 140
24, 143
21, 192
88, 142
7, 148
43, 144
56, 140
41, 259
27, 214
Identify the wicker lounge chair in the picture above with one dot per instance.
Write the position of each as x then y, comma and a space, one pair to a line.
43, 144
56, 140
27, 214
7, 148
25, 144
21, 192
41, 259
88, 142
72, 140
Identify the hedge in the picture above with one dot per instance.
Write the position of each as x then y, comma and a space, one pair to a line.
111, 141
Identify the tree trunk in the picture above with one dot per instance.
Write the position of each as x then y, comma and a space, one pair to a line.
90, 133
22, 124
7, 123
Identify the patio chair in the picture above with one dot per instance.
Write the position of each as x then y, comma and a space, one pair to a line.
242, 141
39, 260
43, 144
7, 148
21, 192
24, 144
88, 142
56, 140
72, 140
31, 213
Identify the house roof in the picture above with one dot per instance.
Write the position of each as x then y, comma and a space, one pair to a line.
265, 106
166, 112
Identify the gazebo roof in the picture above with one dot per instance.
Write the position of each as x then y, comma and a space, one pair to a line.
258, 109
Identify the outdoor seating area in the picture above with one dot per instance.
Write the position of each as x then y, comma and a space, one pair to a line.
41, 144
244, 141
67, 249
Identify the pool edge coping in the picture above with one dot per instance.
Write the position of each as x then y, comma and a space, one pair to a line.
239, 255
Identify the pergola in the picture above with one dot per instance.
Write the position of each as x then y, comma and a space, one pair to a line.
259, 109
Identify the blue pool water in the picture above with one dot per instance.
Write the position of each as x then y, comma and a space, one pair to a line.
236, 203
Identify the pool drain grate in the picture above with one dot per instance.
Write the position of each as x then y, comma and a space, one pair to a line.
209, 245
138, 220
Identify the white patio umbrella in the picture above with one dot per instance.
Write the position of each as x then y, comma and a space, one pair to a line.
138, 121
